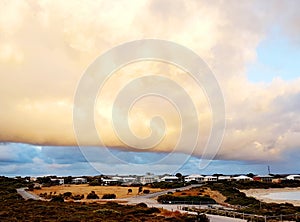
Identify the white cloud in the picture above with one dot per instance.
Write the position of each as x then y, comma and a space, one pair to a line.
46, 45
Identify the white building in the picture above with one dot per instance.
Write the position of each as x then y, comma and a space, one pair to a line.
293, 177
169, 179
210, 178
79, 180
194, 177
108, 182
242, 178
149, 179
225, 178
60, 181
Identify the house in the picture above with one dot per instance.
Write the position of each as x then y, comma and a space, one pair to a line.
194, 177
110, 182
169, 179
242, 178
59, 181
149, 178
129, 179
120, 179
293, 177
79, 180
225, 178
210, 178
263, 178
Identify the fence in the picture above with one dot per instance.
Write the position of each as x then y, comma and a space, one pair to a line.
248, 217
188, 202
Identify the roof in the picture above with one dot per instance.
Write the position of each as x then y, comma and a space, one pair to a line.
211, 177
170, 177
242, 177
269, 176
290, 177
194, 176
224, 177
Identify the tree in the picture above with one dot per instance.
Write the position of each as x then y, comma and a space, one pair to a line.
92, 195
250, 175
140, 189
179, 176
68, 180
109, 196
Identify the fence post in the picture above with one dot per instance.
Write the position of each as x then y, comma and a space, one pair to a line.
265, 218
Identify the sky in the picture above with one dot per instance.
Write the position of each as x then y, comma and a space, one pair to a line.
252, 49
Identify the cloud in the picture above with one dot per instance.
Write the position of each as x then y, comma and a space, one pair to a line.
45, 46
65, 161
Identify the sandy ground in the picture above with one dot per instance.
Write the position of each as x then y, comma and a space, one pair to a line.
121, 192
260, 195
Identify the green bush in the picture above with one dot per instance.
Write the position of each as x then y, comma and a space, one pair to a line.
95, 183
170, 198
92, 195
58, 198
109, 196
67, 194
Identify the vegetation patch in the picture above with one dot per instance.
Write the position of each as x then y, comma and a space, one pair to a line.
171, 199
249, 204
14, 208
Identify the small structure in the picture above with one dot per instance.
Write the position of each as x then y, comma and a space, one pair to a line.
149, 178
293, 177
79, 180
129, 179
276, 180
263, 178
32, 179
194, 177
242, 178
59, 181
225, 178
169, 179
210, 178
110, 182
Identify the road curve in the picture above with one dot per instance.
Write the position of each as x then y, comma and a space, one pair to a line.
148, 199
26, 195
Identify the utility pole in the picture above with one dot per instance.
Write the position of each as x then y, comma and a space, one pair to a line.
269, 170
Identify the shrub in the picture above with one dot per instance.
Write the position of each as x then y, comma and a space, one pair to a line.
58, 198
95, 183
140, 189
109, 196
92, 195
170, 198
141, 205
146, 191
67, 194
78, 197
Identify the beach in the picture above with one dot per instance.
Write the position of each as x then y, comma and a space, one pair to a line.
270, 195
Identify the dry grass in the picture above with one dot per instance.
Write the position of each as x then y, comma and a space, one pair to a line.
121, 192
216, 195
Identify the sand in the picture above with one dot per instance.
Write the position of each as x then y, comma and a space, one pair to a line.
121, 192
261, 193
